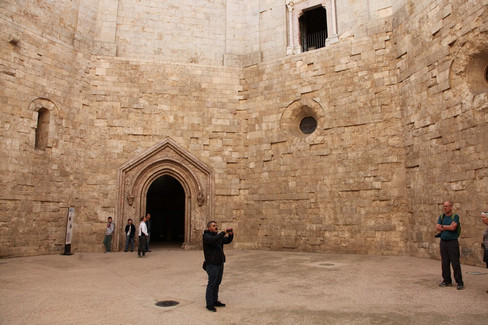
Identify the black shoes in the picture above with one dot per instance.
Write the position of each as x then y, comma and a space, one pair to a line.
219, 304
216, 304
443, 284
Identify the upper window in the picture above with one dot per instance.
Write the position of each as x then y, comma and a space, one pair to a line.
313, 29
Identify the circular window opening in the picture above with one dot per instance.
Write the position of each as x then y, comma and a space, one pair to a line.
486, 73
308, 125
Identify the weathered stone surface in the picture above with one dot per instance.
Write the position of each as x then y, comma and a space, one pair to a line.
400, 102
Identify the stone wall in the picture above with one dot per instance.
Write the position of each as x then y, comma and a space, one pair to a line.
400, 103
444, 118
134, 104
177, 30
341, 189
38, 186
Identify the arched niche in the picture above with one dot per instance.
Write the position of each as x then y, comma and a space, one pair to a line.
43, 123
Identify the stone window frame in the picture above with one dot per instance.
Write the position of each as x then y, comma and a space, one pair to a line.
42, 107
296, 111
295, 10
476, 72
467, 71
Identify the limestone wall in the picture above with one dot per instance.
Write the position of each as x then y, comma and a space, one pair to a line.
204, 32
444, 116
38, 186
400, 103
51, 19
176, 30
135, 104
341, 189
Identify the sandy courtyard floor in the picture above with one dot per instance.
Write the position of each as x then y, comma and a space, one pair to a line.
259, 287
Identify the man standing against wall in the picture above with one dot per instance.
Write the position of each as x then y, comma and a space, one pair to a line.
448, 226
142, 232
130, 231
107, 241
213, 249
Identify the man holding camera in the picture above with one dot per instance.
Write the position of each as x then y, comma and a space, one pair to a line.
213, 249
447, 226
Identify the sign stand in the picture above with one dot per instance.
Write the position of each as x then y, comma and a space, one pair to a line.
69, 231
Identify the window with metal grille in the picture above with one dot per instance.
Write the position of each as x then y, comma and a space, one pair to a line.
313, 29
308, 125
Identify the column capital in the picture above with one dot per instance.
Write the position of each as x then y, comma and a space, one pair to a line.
290, 4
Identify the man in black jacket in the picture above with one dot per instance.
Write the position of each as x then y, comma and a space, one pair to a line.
130, 231
213, 249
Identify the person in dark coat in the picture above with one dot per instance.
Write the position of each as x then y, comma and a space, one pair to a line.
130, 231
213, 249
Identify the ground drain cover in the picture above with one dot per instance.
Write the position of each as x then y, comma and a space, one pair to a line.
167, 303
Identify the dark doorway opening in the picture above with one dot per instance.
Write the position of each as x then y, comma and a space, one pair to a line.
313, 29
166, 204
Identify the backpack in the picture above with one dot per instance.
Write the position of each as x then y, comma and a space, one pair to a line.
458, 228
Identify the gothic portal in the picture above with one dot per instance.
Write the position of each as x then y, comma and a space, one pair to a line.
166, 170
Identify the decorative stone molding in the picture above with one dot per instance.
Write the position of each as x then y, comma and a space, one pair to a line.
299, 109
467, 73
166, 158
201, 199
130, 199
290, 48
295, 10
36, 105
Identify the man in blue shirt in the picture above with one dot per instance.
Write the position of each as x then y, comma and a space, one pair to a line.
447, 226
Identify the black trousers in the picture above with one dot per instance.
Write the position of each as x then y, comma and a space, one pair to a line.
215, 273
450, 256
142, 246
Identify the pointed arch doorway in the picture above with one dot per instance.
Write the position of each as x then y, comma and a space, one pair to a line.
165, 201
166, 164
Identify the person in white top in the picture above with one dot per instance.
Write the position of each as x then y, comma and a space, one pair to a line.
142, 237
107, 240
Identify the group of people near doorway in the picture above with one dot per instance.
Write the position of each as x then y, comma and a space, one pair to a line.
448, 229
143, 232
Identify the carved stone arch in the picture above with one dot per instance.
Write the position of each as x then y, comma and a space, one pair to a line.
296, 111
39, 105
166, 158
468, 71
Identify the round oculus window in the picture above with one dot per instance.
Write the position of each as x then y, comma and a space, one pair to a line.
308, 125
486, 73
